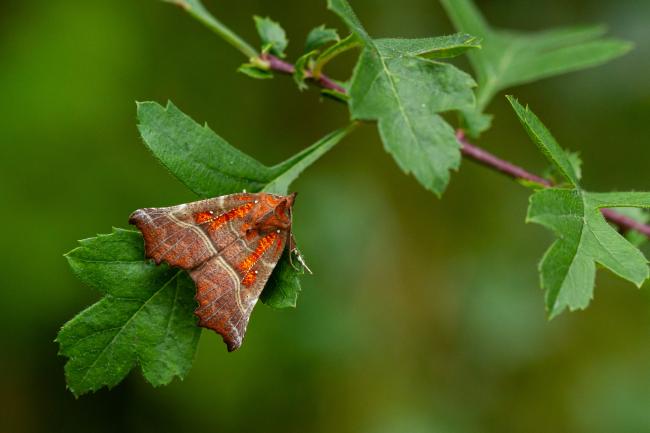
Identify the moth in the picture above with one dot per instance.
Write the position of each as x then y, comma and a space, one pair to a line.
229, 245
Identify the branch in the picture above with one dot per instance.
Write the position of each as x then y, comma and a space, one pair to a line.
280, 65
486, 159
472, 152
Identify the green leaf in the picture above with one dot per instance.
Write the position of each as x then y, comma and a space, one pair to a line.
430, 48
211, 167
511, 58
285, 278
274, 38
404, 94
556, 177
253, 71
320, 36
585, 238
145, 316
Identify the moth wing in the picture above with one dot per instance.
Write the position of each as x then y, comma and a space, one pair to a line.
229, 285
184, 235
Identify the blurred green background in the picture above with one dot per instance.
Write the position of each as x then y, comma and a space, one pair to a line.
422, 316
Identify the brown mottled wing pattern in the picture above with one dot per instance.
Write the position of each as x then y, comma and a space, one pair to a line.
228, 292
173, 235
229, 267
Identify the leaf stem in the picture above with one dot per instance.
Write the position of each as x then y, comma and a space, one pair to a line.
198, 12
280, 65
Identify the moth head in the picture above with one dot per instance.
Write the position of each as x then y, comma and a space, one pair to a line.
273, 212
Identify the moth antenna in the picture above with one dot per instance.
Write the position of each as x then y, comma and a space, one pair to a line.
302, 262
293, 249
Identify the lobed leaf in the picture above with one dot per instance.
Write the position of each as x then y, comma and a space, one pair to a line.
145, 317
585, 238
511, 58
405, 93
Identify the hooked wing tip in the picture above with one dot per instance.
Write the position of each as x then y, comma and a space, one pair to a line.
232, 342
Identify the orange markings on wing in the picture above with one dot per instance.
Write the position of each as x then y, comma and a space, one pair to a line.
263, 245
249, 279
203, 217
218, 221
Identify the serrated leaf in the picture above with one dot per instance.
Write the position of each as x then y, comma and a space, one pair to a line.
511, 58
554, 175
546, 142
431, 48
253, 71
585, 238
274, 38
405, 94
145, 317
210, 166
320, 36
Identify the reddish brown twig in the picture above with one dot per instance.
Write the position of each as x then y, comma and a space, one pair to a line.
486, 159
473, 152
280, 65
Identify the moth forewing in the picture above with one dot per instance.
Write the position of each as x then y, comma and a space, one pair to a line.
229, 245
